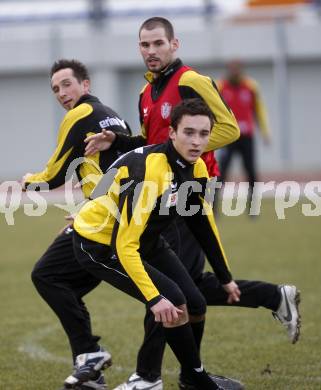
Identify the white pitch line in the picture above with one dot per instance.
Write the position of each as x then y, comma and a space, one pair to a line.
33, 347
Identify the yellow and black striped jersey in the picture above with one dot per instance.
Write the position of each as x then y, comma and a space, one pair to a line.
138, 197
88, 117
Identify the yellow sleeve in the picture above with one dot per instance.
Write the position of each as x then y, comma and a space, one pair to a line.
143, 131
142, 127
225, 129
219, 84
68, 137
133, 224
260, 109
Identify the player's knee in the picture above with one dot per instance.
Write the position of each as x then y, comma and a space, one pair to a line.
37, 274
198, 306
196, 318
181, 320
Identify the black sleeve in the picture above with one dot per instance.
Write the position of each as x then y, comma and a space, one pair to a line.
205, 231
125, 143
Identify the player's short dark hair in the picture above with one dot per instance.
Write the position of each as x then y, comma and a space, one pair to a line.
158, 21
80, 71
191, 107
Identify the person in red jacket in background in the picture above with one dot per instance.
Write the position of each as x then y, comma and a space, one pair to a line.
242, 95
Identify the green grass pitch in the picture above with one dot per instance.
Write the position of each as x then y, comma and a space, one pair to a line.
244, 343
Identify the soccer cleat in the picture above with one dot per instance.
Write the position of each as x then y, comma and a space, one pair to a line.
136, 382
222, 382
87, 367
97, 384
288, 311
225, 383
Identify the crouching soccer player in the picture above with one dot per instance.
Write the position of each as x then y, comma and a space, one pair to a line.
117, 235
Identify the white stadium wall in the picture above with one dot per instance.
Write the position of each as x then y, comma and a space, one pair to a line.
30, 116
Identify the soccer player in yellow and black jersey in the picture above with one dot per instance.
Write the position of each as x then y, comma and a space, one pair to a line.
117, 234
57, 275
170, 81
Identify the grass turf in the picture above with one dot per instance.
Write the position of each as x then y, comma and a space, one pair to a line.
244, 343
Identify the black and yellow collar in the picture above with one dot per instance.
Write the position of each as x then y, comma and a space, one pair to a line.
165, 73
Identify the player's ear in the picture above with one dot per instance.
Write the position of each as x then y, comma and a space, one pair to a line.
172, 133
86, 85
174, 44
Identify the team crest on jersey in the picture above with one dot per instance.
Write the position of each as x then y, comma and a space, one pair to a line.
173, 196
172, 199
166, 110
245, 95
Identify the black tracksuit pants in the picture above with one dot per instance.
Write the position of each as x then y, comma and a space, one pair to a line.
161, 263
253, 295
62, 282
244, 146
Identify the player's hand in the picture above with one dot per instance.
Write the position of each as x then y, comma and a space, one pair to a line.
24, 180
165, 311
233, 292
99, 142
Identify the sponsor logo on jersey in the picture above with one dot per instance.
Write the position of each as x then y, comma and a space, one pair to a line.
166, 109
145, 111
112, 121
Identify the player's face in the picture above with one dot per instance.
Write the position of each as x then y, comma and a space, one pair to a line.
156, 49
191, 136
234, 71
67, 88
